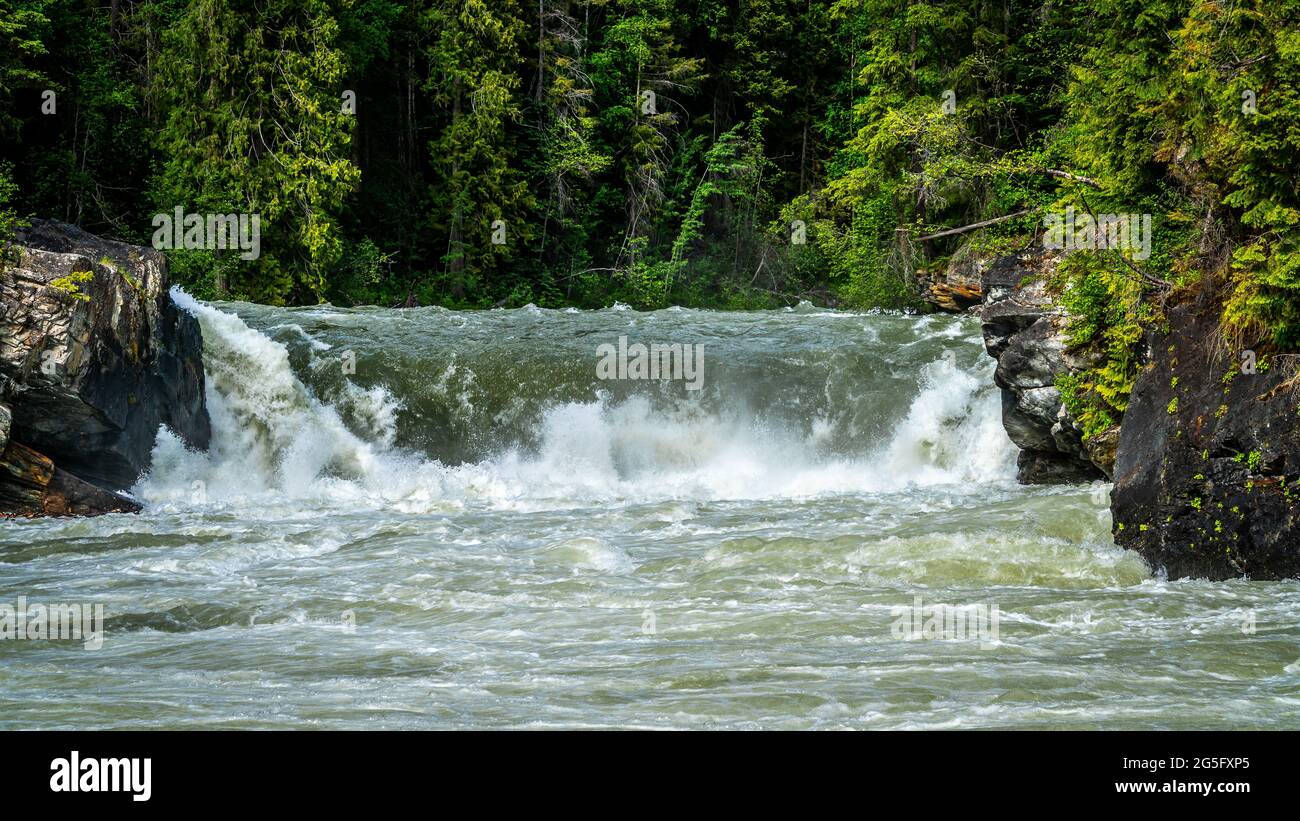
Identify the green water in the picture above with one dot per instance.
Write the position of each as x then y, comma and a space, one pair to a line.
427, 519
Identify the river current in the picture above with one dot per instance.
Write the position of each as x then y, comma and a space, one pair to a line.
437, 519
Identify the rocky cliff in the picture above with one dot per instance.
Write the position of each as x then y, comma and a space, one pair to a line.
1025, 332
1206, 461
1207, 476
94, 357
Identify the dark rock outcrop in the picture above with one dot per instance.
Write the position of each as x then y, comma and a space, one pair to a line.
1207, 475
31, 485
955, 288
94, 357
1025, 332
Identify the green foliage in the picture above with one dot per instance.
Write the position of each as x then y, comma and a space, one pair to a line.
655, 152
478, 191
8, 219
24, 32
70, 285
1190, 109
1238, 104
255, 125
1105, 302
24, 28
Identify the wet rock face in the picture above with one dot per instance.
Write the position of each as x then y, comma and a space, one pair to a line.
1207, 473
1025, 333
89, 377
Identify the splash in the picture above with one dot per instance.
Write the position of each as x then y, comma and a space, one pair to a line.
801, 430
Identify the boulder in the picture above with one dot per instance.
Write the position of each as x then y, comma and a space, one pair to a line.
957, 286
94, 357
31, 485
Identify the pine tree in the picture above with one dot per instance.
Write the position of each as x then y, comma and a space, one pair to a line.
570, 157
255, 124
481, 201
24, 30
643, 80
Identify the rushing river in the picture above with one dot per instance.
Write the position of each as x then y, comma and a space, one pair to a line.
432, 519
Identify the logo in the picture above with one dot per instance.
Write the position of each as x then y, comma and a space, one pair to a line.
53, 622
209, 232
1116, 232
75, 774
946, 622
657, 361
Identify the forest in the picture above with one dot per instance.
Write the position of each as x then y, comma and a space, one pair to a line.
712, 153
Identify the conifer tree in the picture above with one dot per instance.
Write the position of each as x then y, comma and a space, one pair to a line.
481, 201
255, 123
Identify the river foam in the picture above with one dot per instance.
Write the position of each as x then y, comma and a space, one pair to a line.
273, 437
470, 529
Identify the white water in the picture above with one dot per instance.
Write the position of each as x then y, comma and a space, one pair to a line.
471, 531
272, 437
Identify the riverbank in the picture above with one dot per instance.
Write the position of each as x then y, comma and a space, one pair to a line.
1207, 452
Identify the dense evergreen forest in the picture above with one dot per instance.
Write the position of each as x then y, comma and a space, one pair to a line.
728, 153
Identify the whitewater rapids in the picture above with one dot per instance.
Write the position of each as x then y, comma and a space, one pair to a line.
428, 518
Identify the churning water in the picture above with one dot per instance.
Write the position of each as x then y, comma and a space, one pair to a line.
428, 518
